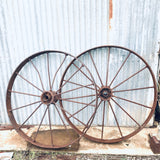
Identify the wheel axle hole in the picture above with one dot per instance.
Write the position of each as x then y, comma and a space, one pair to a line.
105, 93
45, 98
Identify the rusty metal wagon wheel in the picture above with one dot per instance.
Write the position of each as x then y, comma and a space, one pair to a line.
34, 96
126, 90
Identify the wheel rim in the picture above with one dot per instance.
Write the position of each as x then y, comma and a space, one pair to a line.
34, 86
115, 89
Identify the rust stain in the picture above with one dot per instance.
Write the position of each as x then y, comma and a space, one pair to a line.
110, 12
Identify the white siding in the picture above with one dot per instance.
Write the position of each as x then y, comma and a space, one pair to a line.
73, 26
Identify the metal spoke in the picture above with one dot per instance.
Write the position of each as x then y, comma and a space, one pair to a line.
49, 78
96, 68
70, 114
99, 104
76, 102
97, 107
24, 93
134, 89
91, 118
38, 73
58, 70
125, 112
60, 117
129, 77
133, 102
85, 75
82, 96
29, 82
120, 68
80, 85
108, 66
30, 116
50, 127
81, 109
74, 89
24, 106
89, 121
40, 124
115, 119
82, 72
70, 77
95, 112
103, 119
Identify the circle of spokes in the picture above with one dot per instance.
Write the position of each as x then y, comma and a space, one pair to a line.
50, 98
107, 90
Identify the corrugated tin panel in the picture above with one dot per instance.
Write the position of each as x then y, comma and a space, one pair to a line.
73, 26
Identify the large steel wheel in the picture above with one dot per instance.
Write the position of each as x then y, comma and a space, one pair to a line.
34, 97
126, 90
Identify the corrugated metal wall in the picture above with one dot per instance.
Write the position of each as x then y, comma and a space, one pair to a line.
73, 26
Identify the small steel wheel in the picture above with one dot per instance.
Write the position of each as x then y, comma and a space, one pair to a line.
126, 90
35, 98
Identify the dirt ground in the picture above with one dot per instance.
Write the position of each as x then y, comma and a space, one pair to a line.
136, 148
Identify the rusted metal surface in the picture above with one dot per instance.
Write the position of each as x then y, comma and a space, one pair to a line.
9, 127
154, 144
110, 13
48, 97
115, 93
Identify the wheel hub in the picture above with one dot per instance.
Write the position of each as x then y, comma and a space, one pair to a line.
49, 97
105, 93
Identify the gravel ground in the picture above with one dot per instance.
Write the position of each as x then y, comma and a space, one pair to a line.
27, 155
